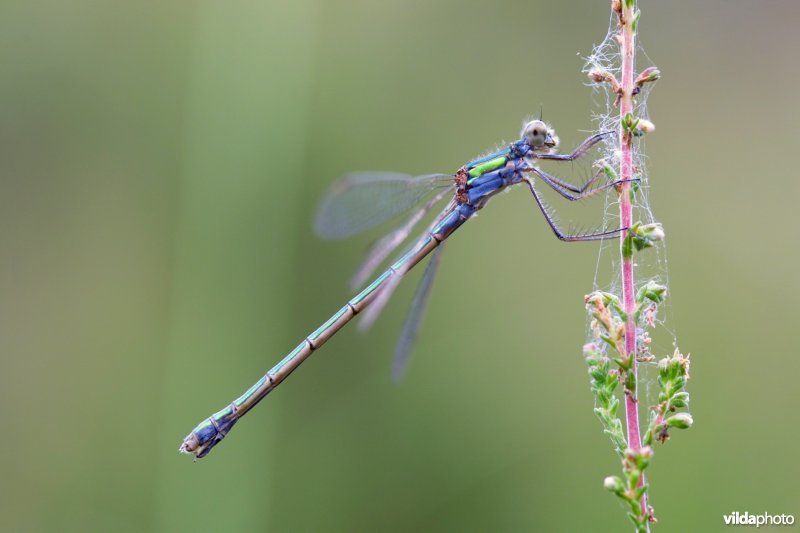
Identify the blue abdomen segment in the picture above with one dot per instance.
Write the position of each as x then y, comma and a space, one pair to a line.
485, 186
211, 431
452, 221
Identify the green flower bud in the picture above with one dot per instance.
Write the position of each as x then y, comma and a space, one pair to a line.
614, 484
652, 291
680, 399
680, 421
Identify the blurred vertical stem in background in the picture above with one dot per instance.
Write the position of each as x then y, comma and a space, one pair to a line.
621, 324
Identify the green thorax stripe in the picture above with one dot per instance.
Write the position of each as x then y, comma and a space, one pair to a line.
493, 164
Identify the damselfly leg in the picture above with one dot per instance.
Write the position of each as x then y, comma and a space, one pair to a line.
580, 150
562, 187
559, 233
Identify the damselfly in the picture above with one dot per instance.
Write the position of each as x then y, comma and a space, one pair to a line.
362, 201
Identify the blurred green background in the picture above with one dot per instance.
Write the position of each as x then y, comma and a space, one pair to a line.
160, 164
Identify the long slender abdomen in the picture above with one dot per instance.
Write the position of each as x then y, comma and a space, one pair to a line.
211, 431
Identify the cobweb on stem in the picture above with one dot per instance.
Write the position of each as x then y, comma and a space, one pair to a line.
651, 265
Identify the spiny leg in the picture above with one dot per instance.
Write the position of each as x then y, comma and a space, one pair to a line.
562, 236
567, 185
582, 148
560, 186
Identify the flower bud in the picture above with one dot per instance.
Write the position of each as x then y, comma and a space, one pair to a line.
644, 126
643, 457
680, 399
647, 75
652, 291
598, 75
653, 232
614, 484
680, 421
644, 235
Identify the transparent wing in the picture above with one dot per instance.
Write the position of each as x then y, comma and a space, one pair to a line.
371, 313
363, 200
414, 318
384, 246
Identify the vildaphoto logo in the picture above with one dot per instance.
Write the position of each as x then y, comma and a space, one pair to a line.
746, 519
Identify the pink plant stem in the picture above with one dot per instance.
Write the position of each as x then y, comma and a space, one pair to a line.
626, 219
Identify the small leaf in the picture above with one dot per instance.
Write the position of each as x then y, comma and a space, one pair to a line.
635, 21
627, 246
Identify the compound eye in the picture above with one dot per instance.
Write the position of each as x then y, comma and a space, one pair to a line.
535, 132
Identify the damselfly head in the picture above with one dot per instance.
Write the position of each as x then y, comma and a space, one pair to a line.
539, 136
